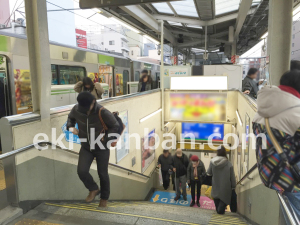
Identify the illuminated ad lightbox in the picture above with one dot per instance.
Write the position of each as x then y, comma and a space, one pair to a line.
205, 107
199, 83
202, 131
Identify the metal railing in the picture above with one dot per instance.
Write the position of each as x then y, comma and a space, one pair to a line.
289, 211
247, 175
44, 143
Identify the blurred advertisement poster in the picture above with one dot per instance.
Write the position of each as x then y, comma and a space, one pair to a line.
148, 150
122, 148
105, 76
198, 106
94, 77
119, 84
81, 38
23, 91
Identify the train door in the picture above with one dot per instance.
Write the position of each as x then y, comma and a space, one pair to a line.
125, 80
4, 88
137, 76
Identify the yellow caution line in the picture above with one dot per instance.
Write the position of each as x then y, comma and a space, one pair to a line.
123, 214
114, 205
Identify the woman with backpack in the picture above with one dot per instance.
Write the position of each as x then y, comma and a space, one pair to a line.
223, 180
195, 171
277, 161
88, 85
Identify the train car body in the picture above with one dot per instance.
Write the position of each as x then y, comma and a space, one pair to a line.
68, 66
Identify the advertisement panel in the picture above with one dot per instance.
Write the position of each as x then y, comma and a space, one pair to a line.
23, 91
122, 148
202, 131
198, 106
119, 84
81, 38
106, 76
148, 150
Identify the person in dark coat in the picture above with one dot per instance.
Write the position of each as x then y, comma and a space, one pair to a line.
223, 180
86, 115
195, 172
165, 164
145, 82
250, 85
180, 163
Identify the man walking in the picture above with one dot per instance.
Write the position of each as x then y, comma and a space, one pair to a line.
180, 164
165, 164
86, 115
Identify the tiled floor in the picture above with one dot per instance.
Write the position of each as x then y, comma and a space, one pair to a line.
34, 222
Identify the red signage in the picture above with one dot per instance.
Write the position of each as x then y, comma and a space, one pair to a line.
81, 38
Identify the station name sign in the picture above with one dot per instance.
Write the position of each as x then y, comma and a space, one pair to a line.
88, 4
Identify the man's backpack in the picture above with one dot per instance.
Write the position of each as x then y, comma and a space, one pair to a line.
120, 130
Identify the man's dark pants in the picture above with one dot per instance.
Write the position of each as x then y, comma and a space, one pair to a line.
86, 158
166, 179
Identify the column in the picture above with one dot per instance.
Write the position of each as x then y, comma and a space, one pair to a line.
279, 38
39, 56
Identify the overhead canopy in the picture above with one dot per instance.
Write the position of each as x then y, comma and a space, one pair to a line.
185, 21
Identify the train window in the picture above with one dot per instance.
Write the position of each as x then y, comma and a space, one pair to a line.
54, 75
70, 74
137, 76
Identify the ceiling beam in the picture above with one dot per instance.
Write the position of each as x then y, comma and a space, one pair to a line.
190, 44
179, 19
245, 6
140, 14
221, 34
196, 21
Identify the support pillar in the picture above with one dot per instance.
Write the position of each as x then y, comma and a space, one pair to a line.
162, 75
193, 59
39, 56
279, 40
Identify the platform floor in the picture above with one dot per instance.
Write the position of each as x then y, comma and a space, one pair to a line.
125, 212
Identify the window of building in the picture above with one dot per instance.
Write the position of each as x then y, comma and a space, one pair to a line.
111, 42
122, 44
293, 45
102, 43
292, 53
70, 74
293, 36
131, 52
293, 27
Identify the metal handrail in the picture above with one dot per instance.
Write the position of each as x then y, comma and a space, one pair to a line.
247, 175
45, 143
288, 210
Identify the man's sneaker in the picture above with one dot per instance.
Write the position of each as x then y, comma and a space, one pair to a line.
185, 198
92, 195
177, 197
192, 204
198, 204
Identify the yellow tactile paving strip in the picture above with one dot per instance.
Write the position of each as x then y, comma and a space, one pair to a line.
34, 222
226, 219
2, 180
92, 207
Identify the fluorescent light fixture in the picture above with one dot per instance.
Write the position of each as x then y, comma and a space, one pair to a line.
167, 124
126, 25
200, 83
150, 115
239, 118
265, 35
151, 39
